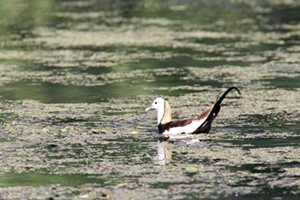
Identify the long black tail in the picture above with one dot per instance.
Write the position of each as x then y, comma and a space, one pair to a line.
225, 94
217, 106
206, 125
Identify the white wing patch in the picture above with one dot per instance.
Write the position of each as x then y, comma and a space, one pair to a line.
187, 129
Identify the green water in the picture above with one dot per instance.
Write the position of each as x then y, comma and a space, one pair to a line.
76, 76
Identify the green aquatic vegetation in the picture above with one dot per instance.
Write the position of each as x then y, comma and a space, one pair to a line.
75, 81
59, 139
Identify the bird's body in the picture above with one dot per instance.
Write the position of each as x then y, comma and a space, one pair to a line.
199, 124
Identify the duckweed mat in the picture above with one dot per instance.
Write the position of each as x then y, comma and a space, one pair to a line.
77, 76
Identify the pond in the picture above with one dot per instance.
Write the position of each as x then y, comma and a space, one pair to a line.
76, 77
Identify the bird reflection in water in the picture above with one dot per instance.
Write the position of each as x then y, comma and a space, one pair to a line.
164, 148
164, 153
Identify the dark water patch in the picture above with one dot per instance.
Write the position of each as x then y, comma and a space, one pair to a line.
177, 80
14, 62
5, 116
115, 113
212, 41
203, 14
181, 50
48, 67
272, 142
36, 179
283, 14
49, 92
260, 131
110, 148
188, 57
265, 193
272, 119
94, 70
179, 158
178, 61
68, 120
273, 194
283, 82
58, 93
260, 48
90, 49
9, 139
33, 67
295, 164
175, 61
263, 141
258, 168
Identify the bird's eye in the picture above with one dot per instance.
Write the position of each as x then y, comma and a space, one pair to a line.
155, 102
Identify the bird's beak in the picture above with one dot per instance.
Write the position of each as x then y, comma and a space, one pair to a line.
149, 108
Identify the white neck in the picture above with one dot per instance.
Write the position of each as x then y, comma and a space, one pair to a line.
160, 114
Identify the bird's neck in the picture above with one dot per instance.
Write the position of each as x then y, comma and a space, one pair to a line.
164, 115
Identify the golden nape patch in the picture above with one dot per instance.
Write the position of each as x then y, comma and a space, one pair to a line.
167, 114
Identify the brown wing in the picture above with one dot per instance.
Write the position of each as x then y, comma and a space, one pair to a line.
206, 125
182, 123
210, 114
172, 124
213, 112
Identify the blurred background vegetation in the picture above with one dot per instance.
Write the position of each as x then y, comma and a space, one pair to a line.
21, 22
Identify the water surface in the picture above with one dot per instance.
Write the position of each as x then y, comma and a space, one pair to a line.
77, 76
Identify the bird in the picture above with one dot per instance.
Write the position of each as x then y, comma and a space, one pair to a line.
196, 125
